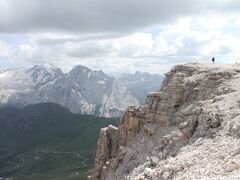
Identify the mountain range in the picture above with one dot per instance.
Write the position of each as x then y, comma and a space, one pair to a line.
81, 90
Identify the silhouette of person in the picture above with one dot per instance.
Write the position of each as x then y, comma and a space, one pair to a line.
213, 60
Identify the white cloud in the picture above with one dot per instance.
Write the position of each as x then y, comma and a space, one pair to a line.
139, 44
26, 50
5, 49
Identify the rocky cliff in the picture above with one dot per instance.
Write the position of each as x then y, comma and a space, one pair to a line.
190, 129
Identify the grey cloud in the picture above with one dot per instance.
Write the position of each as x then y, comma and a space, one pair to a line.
43, 40
226, 5
91, 16
88, 51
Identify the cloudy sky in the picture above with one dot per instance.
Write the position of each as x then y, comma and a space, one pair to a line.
118, 35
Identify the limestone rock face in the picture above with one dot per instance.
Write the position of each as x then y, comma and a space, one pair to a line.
188, 130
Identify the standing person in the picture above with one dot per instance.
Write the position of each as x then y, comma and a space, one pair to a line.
213, 60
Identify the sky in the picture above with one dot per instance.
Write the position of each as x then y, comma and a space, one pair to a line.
118, 35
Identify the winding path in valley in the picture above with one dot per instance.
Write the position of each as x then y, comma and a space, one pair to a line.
22, 161
37, 156
16, 164
76, 154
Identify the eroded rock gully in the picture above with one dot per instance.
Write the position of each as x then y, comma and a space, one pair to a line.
188, 130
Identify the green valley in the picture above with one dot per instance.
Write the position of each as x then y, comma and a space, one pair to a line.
48, 142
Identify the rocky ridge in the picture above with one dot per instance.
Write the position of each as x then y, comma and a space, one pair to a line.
190, 129
82, 90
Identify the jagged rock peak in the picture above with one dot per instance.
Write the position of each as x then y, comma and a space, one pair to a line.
188, 130
45, 68
80, 68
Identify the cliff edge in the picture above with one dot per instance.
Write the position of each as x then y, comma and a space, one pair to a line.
190, 129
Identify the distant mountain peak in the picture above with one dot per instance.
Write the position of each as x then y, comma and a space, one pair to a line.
80, 68
45, 67
138, 73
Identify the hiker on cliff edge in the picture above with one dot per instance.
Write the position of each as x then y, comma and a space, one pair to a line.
213, 60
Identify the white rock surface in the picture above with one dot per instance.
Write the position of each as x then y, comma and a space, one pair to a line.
190, 129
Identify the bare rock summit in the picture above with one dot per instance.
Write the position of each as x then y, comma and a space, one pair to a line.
190, 129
